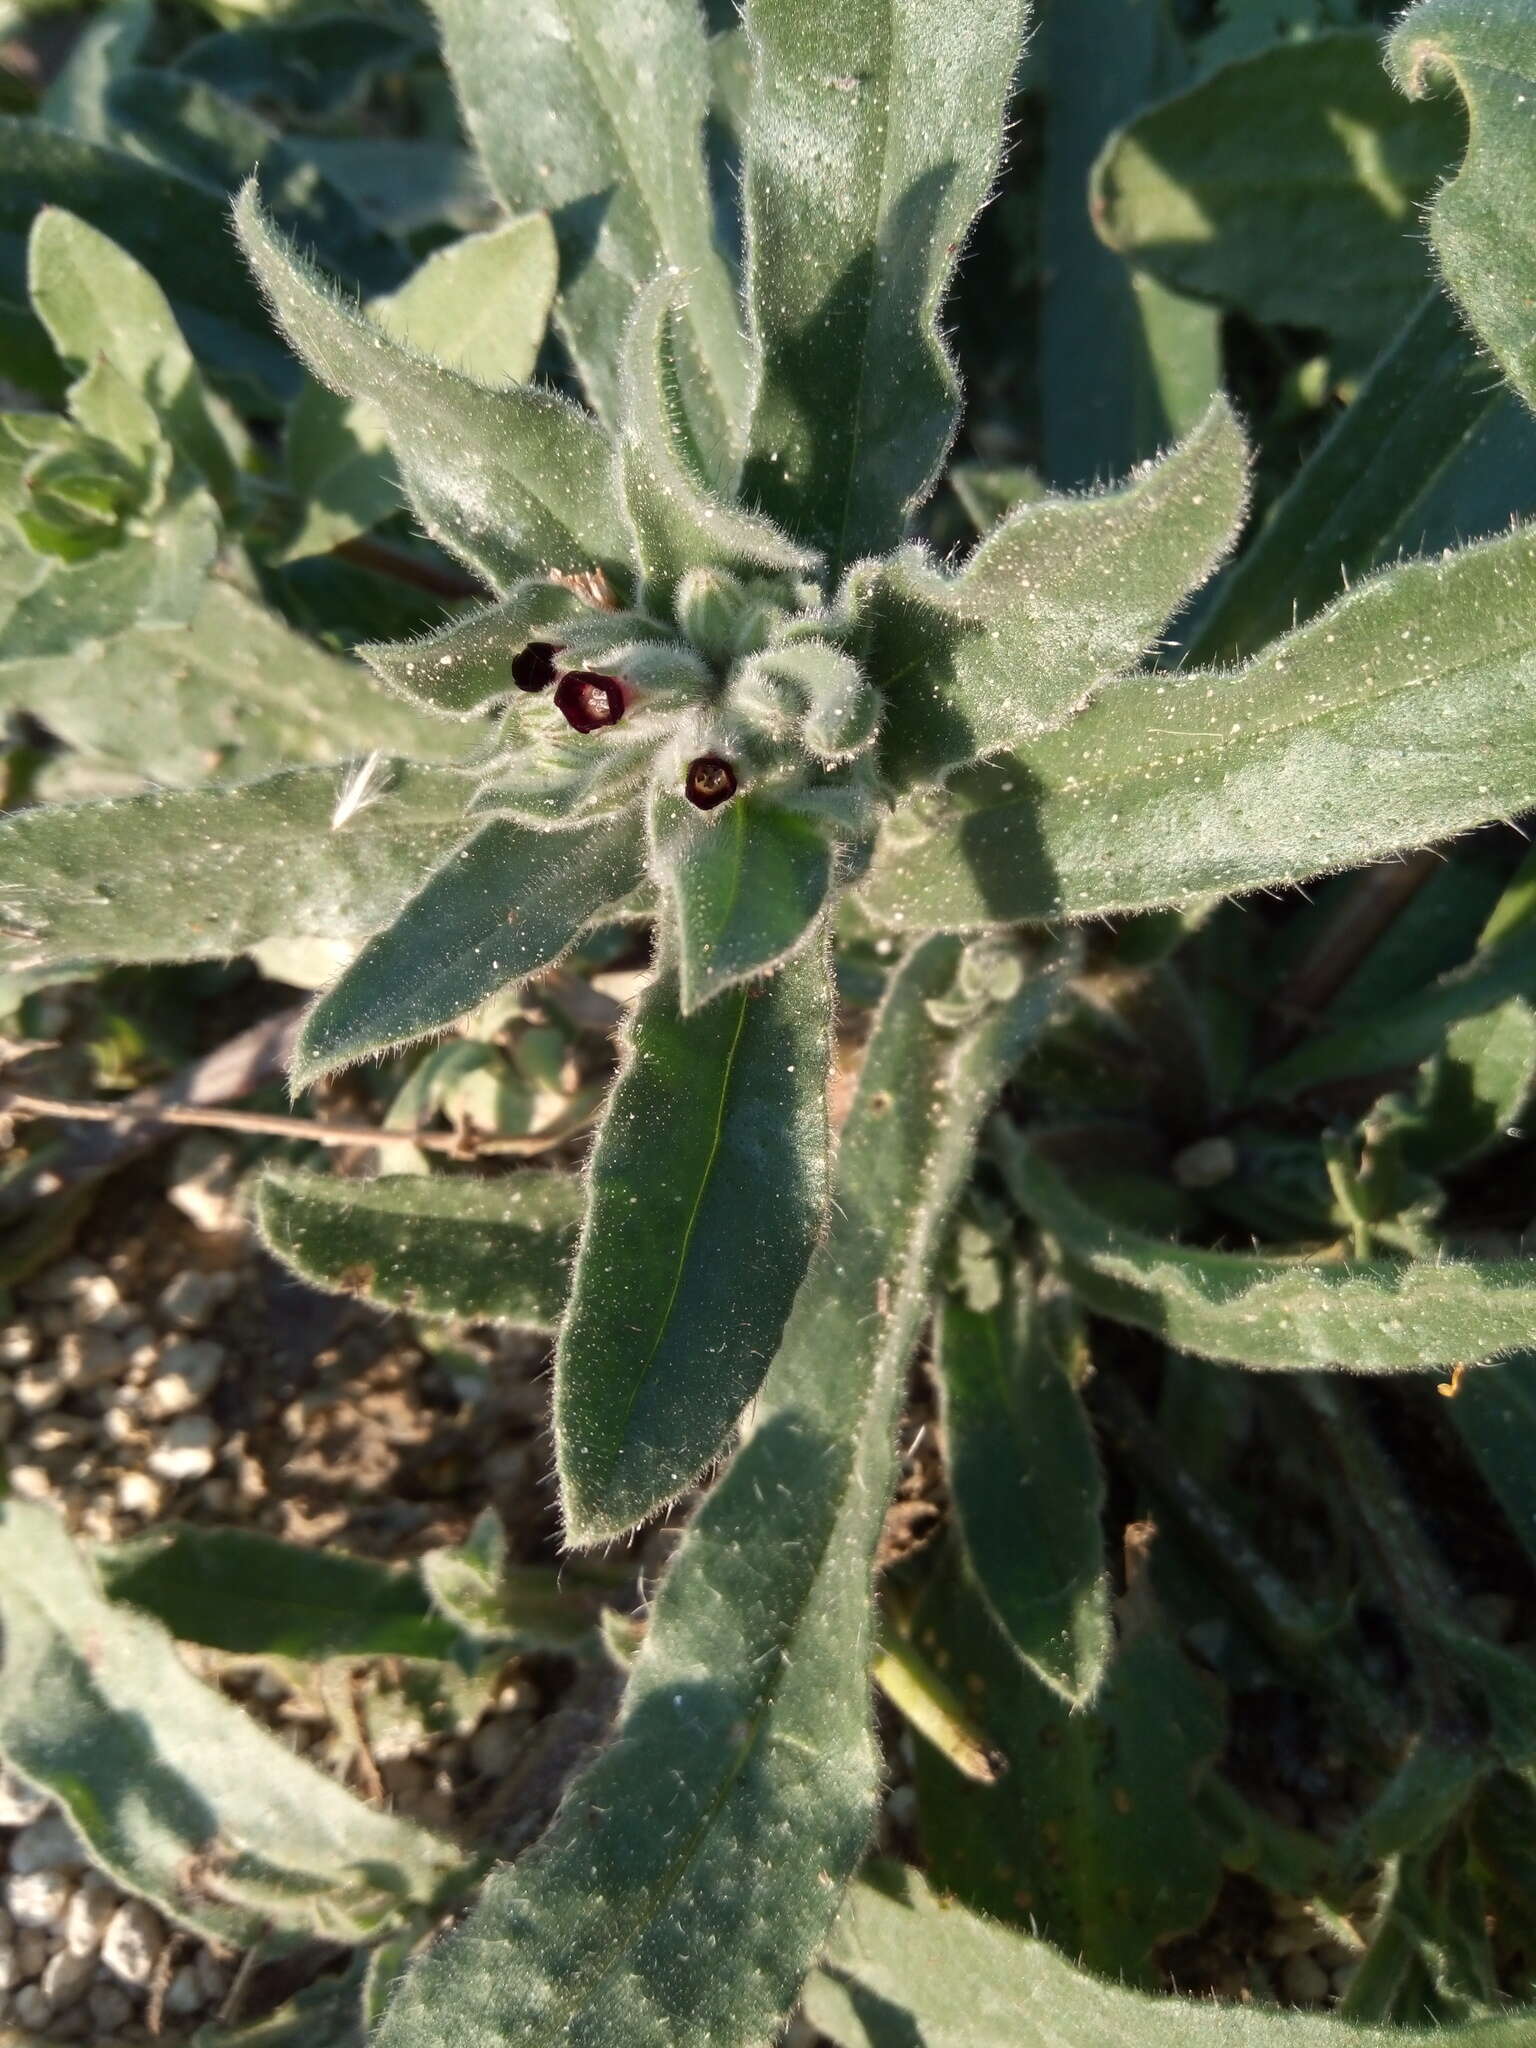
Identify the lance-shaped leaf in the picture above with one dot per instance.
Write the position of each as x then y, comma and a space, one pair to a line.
871, 142
202, 874
1064, 594
246, 1593
747, 883
97, 302
1431, 452
1287, 185
711, 1161
1026, 1482
1371, 1315
1090, 1835
696, 1866
516, 482
480, 304
177, 230
907, 1969
1480, 223
494, 1251
596, 113
466, 666
175, 1791
679, 523
1399, 717
506, 903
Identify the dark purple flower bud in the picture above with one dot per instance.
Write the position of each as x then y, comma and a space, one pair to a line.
710, 782
535, 668
589, 702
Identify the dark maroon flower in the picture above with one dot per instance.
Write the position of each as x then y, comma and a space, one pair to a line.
589, 702
710, 782
534, 668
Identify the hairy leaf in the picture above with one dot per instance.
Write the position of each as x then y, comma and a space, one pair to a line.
503, 905
1089, 1837
747, 884
1286, 185
306, 67
1400, 716
1373, 1315
516, 482
202, 874
1479, 223
1431, 452
1494, 1413
177, 1793
907, 1969
1025, 1482
246, 1593
493, 1251
696, 1866
466, 666
711, 1160
679, 524
596, 113
871, 140
481, 304
1064, 594
174, 228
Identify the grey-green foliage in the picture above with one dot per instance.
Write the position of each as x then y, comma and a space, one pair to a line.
1479, 224
492, 1251
662, 1347
872, 138
202, 874
1366, 1315
907, 1969
1027, 1488
597, 114
696, 1866
1172, 787
1288, 185
173, 1789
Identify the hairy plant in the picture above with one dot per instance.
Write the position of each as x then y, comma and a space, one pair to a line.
712, 668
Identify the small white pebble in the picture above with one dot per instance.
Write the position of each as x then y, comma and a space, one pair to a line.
30, 1482
137, 1493
131, 1946
184, 1993
10, 1965
91, 1908
190, 1299
33, 1948
65, 1976
184, 1378
18, 1343
186, 1450
38, 1898
90, 1358
32, 2006
49, 1843
39, 1387
110, 2007
20, 1803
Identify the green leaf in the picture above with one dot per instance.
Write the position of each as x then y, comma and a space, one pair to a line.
678, 523
202, 874
1399, 717
1124, 365
871, 143
596, 113
97, 302
747, 883
467, 665
1025, 1482
1402, 1033
1494, 1413
234, 692
1286, 186
1064, 594
739, 1791
109, 45
1090, 1837
504, 904
312, 68
1431, 452
908, 1969
481, 304
176, 230
1471, 1093
1479, 223
494, 1251
176, 1793
713, 1152
1371, 1315
531, 1607
248, 1594
516, 482
154, 577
